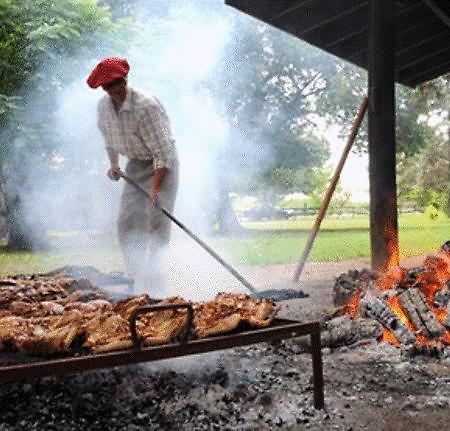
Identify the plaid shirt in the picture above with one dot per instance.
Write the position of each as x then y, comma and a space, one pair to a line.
140, 130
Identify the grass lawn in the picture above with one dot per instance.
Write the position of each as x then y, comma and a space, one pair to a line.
261, 243
339, 238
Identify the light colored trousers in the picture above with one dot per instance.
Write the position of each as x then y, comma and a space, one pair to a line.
143, 230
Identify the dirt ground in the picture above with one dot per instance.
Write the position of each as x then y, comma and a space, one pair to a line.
368, 385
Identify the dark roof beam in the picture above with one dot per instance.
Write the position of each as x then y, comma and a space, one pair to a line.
438, 11
338, 31
261, 9
416, 34
288, 10
412, 37
351, 48
423, 50
410, 17
318, 16
422, 67
428, 75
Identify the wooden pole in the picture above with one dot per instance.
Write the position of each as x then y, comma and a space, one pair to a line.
328, 195
382, 147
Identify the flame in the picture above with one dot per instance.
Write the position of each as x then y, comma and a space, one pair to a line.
352, 306
390, 234
391, 278
433, 278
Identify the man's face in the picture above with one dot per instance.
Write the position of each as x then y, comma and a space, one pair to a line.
116, 88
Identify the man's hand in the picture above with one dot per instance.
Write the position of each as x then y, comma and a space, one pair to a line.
154, 193
114, 173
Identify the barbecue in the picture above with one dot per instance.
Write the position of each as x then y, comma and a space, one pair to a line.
46, 327
80, 327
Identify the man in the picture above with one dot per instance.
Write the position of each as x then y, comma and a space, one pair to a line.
136, 126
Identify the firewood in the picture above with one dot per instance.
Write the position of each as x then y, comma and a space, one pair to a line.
420, 314
380, 311
441, 298
447, 320
344, 330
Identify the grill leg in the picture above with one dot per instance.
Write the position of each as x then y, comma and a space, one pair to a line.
317, 369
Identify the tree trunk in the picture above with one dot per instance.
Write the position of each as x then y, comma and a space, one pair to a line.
448, 183
22, 234
2, 212
228, 223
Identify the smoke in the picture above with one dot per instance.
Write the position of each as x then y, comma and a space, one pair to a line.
171, 60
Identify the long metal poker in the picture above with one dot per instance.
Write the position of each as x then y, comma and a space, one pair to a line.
191, 234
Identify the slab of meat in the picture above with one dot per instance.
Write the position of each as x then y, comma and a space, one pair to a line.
227, 311
161, 327
10, 328
107, 331
127, 306
49, 335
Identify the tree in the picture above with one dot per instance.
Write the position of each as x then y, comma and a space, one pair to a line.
436, 96
42, 42
267, 89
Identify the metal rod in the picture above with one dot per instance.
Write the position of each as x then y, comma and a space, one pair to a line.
328, 195
219, 259
281, 329
316, 353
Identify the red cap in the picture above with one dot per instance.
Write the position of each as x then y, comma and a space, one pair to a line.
107, 70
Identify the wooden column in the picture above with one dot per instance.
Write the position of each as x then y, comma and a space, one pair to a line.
382, 177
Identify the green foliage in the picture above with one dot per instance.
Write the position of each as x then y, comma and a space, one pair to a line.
321, 179
266, 91
42, 46
423, 177
434, 213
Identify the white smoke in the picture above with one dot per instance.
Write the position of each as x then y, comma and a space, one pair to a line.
172, 64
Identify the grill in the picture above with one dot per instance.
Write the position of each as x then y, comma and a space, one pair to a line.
30, 368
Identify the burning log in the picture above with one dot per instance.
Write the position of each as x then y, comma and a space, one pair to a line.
447, 320
420, 314
347, 285
381, 312
442, 298
344, 330
433, 349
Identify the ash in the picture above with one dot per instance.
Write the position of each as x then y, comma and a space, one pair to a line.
368, 386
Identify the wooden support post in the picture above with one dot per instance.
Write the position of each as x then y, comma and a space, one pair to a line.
382, 176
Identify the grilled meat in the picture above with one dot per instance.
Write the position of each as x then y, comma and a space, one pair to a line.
227, 311
107, 331
127, 306
161, 327
48, 335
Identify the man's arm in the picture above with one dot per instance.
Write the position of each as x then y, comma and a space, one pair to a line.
158, 178
114, 170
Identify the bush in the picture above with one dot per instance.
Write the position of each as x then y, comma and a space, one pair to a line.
434, 214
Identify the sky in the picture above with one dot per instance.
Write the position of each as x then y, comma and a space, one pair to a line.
355, 175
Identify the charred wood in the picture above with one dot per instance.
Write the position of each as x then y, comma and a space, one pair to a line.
93, 275
433, 349
346, 285
344, 331
420, 314
381, 312
447, 320
441, 298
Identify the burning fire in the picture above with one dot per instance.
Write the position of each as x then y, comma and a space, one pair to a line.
431, 278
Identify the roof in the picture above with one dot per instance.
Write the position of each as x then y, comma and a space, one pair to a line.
340, 27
